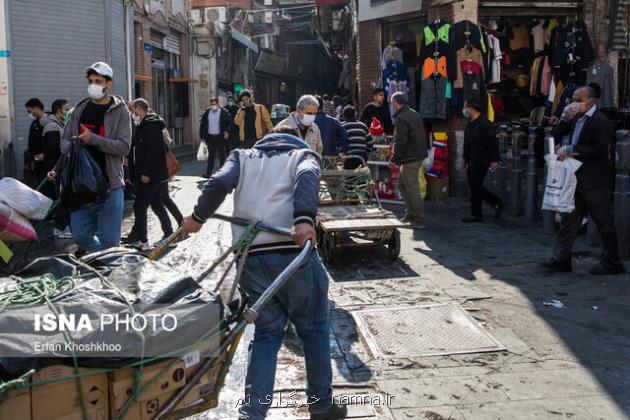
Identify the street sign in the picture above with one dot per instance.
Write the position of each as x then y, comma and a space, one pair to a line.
148, 47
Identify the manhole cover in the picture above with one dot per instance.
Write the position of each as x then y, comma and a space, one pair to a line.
423, 331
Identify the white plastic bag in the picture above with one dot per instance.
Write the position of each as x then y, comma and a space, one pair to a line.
428, 161
26, 201
561, 183
202, 152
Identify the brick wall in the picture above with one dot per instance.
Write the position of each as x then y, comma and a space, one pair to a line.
368, 67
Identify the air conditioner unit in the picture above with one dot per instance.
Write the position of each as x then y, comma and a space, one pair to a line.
216, 14
268, 3
269, 17
195, 17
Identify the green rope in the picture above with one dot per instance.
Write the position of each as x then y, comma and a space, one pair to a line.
17, 383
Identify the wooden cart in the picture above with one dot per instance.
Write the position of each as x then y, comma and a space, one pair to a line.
347, 216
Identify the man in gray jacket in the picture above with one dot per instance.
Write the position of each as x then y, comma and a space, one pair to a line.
410, 149
102, 123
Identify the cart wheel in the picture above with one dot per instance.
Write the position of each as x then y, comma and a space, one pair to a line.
328, 248
394, 244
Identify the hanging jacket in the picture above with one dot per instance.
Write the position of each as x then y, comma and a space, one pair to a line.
435, 34
573, 53
457, 40
433, 97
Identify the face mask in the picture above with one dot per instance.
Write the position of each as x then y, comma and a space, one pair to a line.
214, 107
96, 92
247, 102
136, 119
31, 116
466, 113
307, 120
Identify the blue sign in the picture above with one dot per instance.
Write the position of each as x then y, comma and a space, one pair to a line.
5, 53
148, 47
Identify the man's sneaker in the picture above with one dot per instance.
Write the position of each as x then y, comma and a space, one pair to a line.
336, 412
129, 239
140, 246
62, 234
603, 269
558, 266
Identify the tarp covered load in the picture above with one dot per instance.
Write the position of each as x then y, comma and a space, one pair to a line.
107, 310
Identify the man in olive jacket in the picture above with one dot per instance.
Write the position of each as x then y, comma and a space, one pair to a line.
410, 149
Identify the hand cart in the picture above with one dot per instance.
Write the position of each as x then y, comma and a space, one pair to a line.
347, 217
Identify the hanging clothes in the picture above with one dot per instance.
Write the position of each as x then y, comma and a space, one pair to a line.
494, 68
432, 66
474, 84
546, 78
459, 34
433, 98
392, 52
466, 54
573, 53
436, 41
519, 37
394, 86
603, 75
394, 70
540, 36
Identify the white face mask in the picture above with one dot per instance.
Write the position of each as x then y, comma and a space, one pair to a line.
136, 119
214, 107
95, 91
307, 120
31, 116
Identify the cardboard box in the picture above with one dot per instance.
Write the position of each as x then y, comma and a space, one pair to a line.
203, 388
17, 405
196, 357
121, 389
437, 189
62, 400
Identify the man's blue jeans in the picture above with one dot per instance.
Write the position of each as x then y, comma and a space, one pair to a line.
98, 227
304, 302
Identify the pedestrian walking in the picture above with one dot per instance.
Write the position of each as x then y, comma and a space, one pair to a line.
591, 134
328, 107
481, 152
379, 110
334, 137
232, 108
359, 138
303, 120
252, 119
101, 122
34, 158
277, 182
215, 132
150, 172
166, 196
52, 129
410, 149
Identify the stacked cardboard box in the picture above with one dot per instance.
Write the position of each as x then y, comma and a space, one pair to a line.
16, 405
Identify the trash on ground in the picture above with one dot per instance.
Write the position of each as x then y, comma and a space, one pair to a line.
555, 303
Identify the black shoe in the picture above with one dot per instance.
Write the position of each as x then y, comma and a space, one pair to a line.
472, 220
336, 412
603, 269
205, 175
498, 210
129, 239
558, 266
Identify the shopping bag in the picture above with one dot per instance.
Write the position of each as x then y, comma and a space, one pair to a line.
202, 152
23, 199
83, 182
14, 227
422, 181
172, 164
560, 184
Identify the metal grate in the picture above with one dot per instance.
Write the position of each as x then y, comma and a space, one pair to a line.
423, 331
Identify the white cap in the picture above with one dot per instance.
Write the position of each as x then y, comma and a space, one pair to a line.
101, 68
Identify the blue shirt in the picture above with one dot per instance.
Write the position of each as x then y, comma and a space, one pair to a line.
334, 137
579, 124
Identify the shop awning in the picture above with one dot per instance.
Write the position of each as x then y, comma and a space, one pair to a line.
182, 80
243, 39
143, 78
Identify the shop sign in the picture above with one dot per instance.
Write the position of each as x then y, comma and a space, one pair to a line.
376, 9
237, 88
270, 63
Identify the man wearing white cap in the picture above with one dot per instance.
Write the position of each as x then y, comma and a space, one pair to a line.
102, 124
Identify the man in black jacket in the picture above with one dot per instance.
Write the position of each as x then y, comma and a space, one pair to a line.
150, 170
590, 137
410, 149
35, 109
232, 109
481, 152
214, 130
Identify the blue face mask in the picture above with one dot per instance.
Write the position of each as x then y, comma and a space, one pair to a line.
466, 113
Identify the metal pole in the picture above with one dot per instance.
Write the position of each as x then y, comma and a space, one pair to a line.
621, 195
515, 179
503, 169
548, 217
531, 202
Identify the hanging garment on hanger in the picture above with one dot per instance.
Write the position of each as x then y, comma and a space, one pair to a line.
464, 55
603, 75
475, 88
547, 74
541, 37
573, 53
394, 86
436, 41
552, 93
394, 70
433, 97
495, 64
458, 40
430, 67
392, 53
520, 37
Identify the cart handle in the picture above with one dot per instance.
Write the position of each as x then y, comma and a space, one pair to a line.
262, 301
